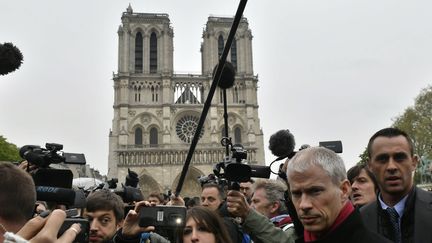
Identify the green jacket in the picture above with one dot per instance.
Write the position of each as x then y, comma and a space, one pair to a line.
261, 229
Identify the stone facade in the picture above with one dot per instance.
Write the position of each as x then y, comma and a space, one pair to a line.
156, 110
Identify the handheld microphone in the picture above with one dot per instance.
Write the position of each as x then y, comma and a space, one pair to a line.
55, 194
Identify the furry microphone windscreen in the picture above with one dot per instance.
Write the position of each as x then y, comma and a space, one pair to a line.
10, 58
282, 143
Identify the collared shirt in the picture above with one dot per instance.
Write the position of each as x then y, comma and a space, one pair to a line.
400, 206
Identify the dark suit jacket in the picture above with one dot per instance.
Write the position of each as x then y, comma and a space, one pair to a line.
352, 230
421, 229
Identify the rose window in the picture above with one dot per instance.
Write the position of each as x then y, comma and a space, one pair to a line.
186, 128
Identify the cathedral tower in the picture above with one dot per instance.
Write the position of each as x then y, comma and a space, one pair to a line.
156, 111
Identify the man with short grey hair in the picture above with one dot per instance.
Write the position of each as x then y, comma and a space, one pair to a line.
268, 200
320, 194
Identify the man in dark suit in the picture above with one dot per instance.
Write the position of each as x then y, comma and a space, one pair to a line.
402, 212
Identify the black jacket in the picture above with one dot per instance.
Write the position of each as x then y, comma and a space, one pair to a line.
416, 222
235, 230
352, 230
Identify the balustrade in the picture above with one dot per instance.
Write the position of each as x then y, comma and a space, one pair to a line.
176, 157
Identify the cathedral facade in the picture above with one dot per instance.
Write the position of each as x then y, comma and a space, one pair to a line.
156, 111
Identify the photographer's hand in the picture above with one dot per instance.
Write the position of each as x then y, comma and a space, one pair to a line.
44, 229
131, 227
176, 201
237, 204
25, 165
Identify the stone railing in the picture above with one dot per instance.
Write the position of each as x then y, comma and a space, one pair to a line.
137, 157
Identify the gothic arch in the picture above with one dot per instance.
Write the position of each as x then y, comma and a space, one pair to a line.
139, 48
136, 30
153, 121
154, 135
138, 126
154, 29
232, 132
238, 134
148, 184
137, 132
221, 33
234, 119
191, 187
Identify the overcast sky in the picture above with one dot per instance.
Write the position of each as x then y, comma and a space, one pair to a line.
328, 70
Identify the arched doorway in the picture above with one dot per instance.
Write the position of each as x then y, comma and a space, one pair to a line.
191, 187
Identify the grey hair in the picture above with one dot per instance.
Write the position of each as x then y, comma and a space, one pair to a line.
274, 192
328, 160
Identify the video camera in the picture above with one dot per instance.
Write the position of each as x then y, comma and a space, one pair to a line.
51, 154
52, 185
55, 185
235, 167
129, 191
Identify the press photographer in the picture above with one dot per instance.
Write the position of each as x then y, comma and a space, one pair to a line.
54, 186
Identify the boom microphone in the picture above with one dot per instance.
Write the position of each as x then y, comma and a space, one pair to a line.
55, 194
226, 80
10, 58
282, 144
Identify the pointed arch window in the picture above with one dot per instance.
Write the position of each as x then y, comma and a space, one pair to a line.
237, 135
153, 137
220, 45
234, 54
137, 91
138, 52
153, 53
154, 94
138, 136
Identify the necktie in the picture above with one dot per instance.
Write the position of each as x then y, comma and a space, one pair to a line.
394, 219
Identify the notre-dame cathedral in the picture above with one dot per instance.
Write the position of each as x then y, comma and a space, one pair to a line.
156, 110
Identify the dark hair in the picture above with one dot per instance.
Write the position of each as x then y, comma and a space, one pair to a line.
209, 220
219, 188
390, 132
18, 194
355, 171
192, 202
106, 200
158, 195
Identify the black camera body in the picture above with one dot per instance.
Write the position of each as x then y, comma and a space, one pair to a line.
52, 185
128, 192
235, 169
51, 154
83, 235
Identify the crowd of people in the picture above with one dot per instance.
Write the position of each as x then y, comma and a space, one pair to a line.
316, 201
